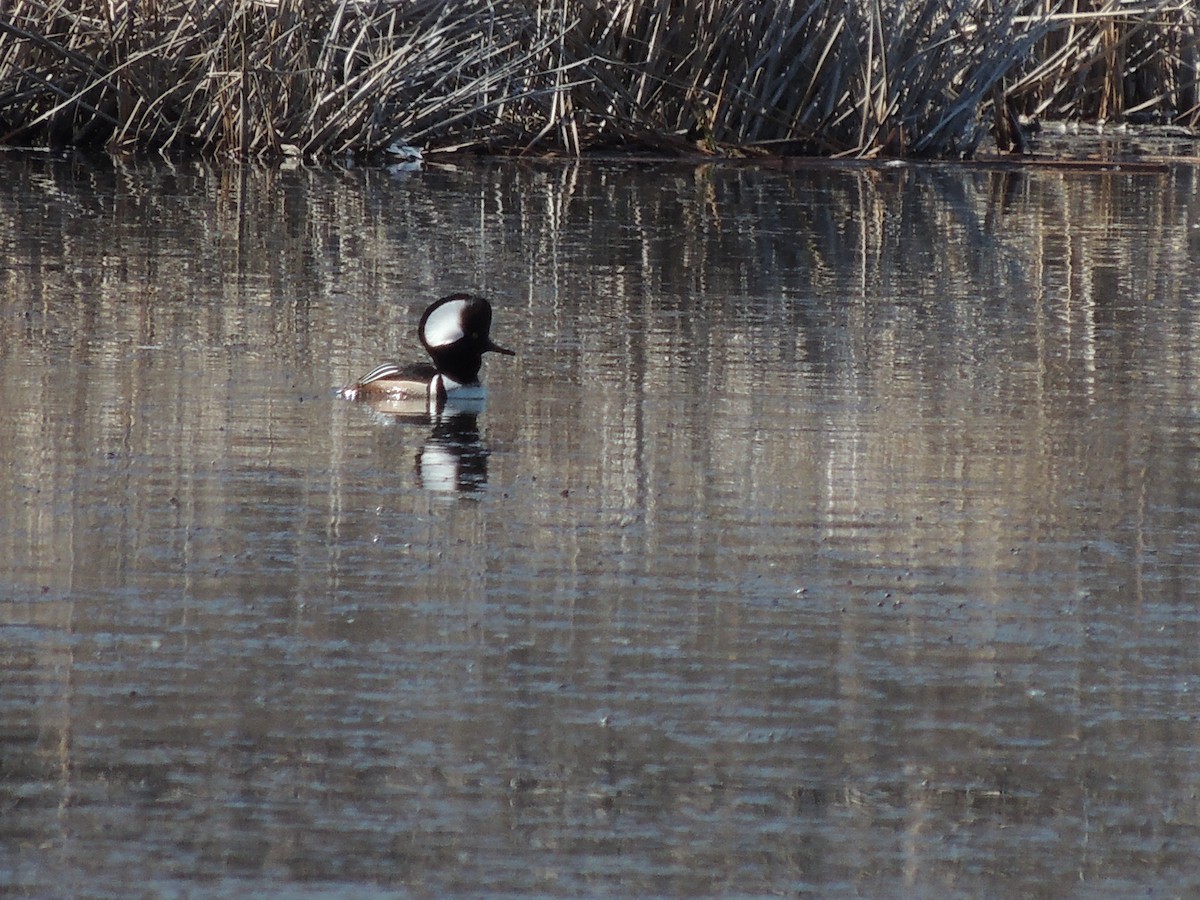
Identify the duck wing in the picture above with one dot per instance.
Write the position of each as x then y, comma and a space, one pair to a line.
390, 371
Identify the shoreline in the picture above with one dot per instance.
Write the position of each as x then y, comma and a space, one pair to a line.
1086, 147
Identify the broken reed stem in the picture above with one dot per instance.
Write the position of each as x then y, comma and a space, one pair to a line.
863, 77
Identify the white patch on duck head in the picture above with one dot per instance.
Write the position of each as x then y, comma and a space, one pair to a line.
445, 324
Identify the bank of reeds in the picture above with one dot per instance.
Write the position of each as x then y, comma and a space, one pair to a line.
329, 77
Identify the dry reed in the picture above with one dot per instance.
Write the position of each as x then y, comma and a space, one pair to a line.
262, 78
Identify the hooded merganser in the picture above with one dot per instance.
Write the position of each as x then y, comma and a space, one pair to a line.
455, 332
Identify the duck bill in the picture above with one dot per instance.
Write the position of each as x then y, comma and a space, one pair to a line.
496, 348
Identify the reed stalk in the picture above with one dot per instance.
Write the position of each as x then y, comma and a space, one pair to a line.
259, 78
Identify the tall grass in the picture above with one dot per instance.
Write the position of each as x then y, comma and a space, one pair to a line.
330, 77
1112, 59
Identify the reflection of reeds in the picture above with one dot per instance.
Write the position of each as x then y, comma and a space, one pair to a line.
265, 77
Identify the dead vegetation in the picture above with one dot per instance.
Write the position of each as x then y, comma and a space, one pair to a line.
323, 78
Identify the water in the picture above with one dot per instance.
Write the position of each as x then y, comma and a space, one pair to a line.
834, 532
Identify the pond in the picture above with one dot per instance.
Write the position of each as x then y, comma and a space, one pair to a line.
834, 531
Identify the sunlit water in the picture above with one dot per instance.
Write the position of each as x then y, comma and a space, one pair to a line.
834, 531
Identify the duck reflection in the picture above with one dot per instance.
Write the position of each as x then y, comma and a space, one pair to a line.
453, 458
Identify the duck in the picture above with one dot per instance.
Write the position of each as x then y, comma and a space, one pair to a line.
455, 331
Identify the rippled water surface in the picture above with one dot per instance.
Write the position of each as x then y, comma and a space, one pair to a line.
834, 531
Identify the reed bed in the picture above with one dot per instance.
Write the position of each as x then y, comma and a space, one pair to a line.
325, 78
